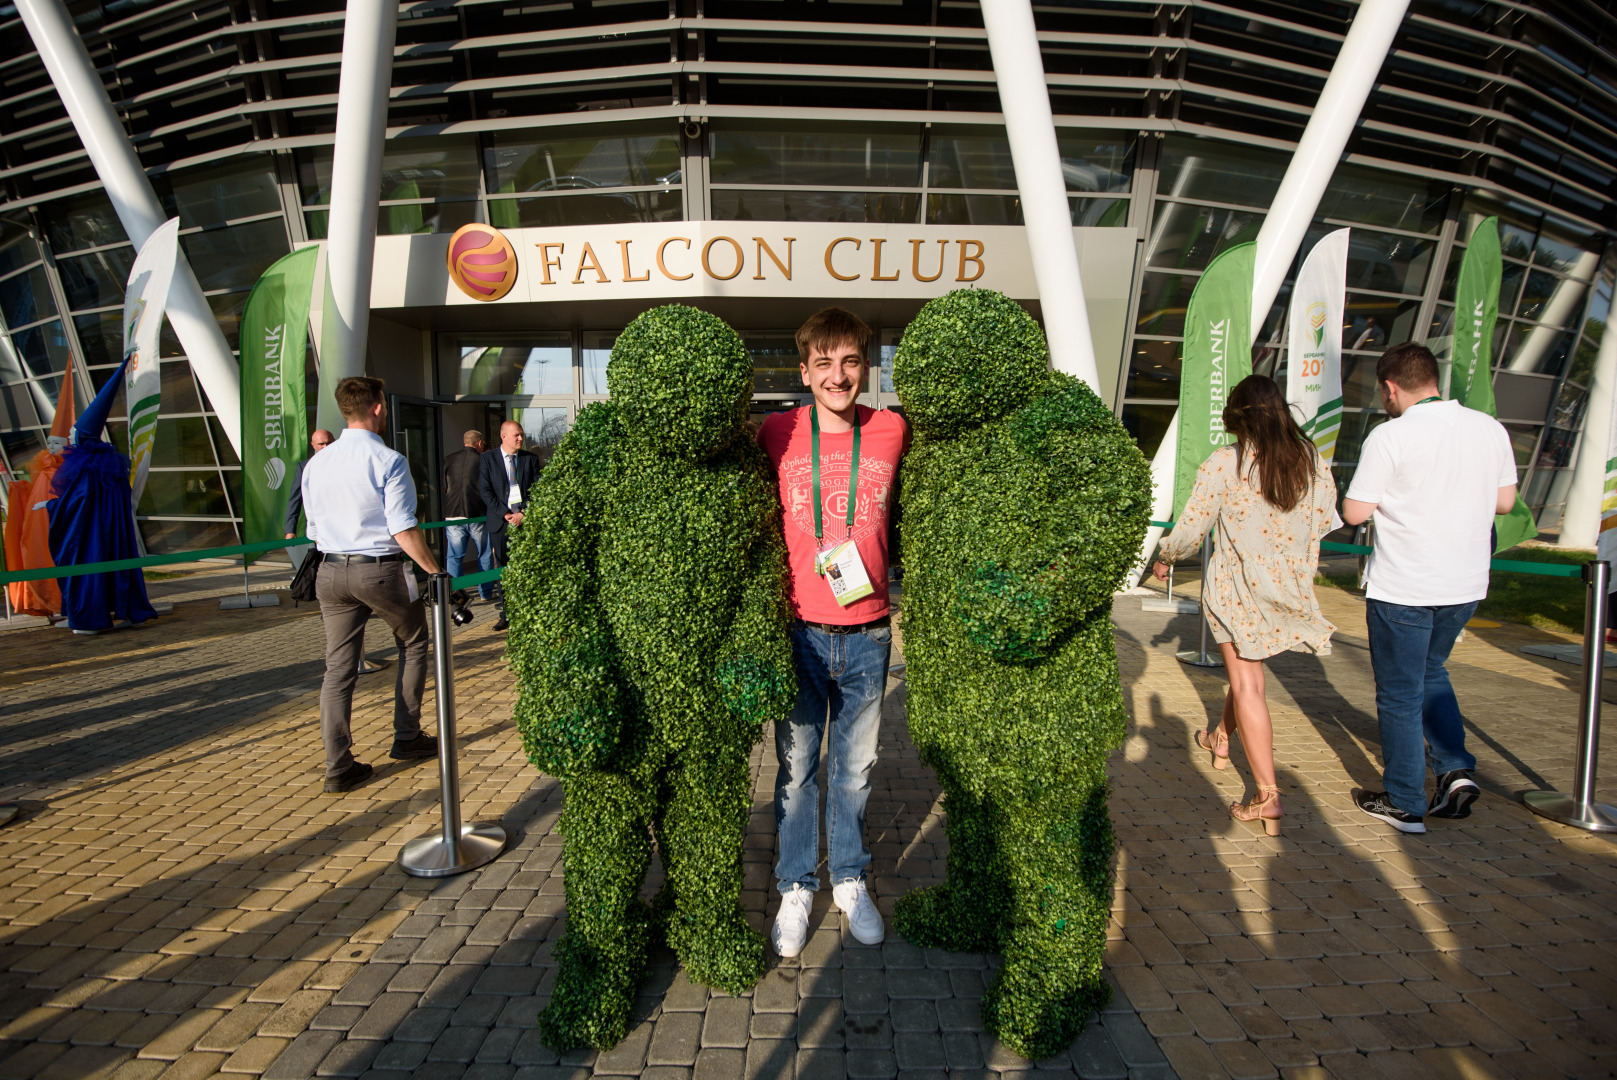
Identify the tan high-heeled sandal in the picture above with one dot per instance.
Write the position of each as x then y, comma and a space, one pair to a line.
1218, 747
1264, 808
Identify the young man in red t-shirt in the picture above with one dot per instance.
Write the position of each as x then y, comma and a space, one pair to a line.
837, 464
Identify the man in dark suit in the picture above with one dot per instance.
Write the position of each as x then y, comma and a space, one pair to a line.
463, 505
504, 476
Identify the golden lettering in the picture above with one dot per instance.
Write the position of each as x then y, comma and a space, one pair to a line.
546, 263
707, 267
974, 258
763, 249
915, 260
588, 259
875, 273
628, 274
830, 249
662, 266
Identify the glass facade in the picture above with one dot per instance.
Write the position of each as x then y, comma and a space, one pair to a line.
1174, 122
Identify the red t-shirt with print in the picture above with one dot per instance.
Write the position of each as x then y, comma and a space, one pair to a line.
787, 439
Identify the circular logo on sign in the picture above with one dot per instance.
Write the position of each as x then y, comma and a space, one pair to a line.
482, 262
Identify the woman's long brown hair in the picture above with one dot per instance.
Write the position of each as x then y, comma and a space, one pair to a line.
1265, 432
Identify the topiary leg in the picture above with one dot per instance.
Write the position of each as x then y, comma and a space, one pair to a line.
602, 958
966, 912
1052, 980
700, 839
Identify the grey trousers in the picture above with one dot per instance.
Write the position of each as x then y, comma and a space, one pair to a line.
348, 594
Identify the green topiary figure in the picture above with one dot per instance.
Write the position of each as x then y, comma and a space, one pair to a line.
647, 601
1024, 502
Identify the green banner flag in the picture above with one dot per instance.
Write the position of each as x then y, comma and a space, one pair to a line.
274, 418
1217, 355
1476, 310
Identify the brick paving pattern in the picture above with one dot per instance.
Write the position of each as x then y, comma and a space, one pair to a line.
180, 899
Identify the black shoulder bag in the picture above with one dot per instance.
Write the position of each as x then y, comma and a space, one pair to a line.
303, 580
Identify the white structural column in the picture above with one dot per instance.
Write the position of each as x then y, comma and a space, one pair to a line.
1580, 523
1024, 98
1330, 125
1558, 313
356, 189
132, 197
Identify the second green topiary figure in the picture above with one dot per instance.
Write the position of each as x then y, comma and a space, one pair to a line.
647, 600
1024, 502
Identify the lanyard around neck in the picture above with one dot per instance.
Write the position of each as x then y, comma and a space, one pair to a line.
853, 472
1434, 397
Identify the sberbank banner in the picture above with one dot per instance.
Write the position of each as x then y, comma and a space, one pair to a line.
274, 420
1217, 355
1476, 310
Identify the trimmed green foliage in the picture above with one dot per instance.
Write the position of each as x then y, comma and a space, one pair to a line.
1024, 503
649, 636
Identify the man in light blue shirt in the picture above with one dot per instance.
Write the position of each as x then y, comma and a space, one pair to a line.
360, 502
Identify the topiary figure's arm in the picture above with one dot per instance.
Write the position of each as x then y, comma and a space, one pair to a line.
757, 681
1069, 552
571, 700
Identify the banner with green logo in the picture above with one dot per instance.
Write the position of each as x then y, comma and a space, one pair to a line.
1476, 310
274, 418
1217, 355
1314, 342
144, 301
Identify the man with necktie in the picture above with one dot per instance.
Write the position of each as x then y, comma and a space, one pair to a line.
504, 478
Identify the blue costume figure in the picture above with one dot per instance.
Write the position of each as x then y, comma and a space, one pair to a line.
91, 520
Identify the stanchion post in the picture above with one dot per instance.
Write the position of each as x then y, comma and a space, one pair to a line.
1580, 809
1199, 656
458, 847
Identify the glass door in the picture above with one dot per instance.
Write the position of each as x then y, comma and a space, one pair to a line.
415, 435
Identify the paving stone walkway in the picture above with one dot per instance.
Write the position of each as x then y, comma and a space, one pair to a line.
180, 899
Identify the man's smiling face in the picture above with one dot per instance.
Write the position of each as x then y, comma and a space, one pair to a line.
835, 375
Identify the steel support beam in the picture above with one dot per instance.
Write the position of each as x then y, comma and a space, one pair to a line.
136, 204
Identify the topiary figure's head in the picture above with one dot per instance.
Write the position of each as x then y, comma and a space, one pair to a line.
680, 379
969, 357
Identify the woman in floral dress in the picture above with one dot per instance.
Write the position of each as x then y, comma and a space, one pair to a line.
1271, 498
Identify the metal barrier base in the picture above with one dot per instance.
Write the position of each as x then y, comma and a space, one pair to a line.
429, 857
236, 603
1178, 605
1596, 817
1199, 659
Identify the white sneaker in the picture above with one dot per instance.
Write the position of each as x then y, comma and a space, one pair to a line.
863, 919
792, 922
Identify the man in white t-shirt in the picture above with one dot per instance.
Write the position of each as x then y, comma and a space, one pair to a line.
1434, 476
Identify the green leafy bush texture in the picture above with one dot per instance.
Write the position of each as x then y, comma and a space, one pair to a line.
649, 635
1024, 502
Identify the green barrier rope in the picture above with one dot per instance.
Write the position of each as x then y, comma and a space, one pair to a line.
1514, 566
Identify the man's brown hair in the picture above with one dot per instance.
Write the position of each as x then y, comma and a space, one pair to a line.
1410, 366
471, 438
829, 328
357, 395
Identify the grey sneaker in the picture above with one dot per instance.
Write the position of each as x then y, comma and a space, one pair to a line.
792, 922
1376, 804
1455, 793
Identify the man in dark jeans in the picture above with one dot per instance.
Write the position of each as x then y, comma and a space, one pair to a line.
1434, 476
505, 476
463, 505
361, 506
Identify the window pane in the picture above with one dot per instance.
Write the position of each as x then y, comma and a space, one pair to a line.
1375, 197
597, 351
234, 257
181, 441
1163, 298
1187, 237
971, 160
81, 222
20, 406
1148, 424
102, 337
163, 537
17, 248
213, 194
872, 206
98, 280
637, 206
774, 363
1200, 169
1096, 161
424, 218
1155, 370
21, 446
520, 161
26, 297
189, 493
432, 168
1541, 286
811, 156
43, 348
889, 350
496, 364
227, 309
1387, 263
542, 429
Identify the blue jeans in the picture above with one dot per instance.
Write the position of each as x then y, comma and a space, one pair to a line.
1414, 700
841, 677
455, 537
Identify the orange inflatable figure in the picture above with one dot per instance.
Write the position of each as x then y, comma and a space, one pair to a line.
28, 520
